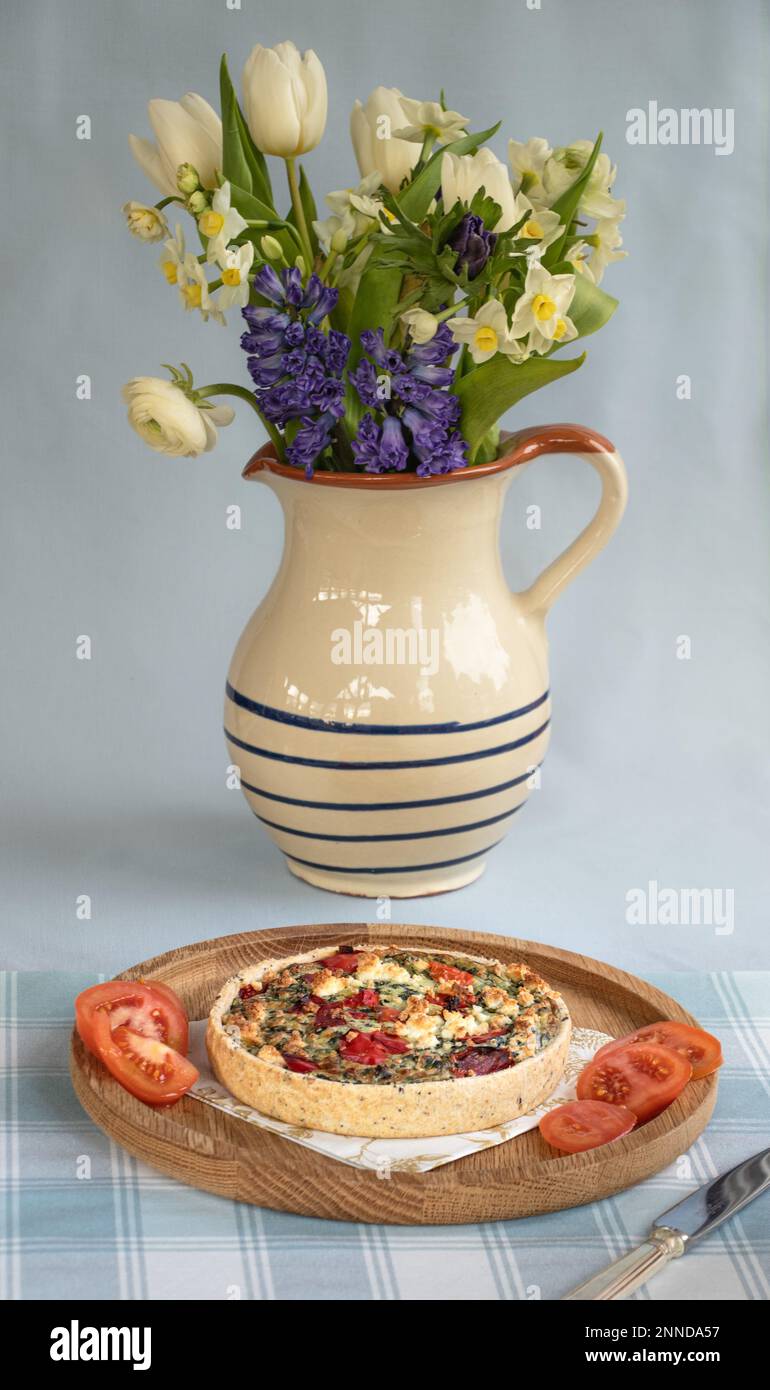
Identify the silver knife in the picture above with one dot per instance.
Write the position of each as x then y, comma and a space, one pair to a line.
680, 1227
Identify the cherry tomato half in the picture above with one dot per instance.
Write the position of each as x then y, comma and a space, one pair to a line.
641, 1076
585, 1124
702, 1050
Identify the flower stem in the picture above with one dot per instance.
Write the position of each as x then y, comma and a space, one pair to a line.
228, 388
299, 211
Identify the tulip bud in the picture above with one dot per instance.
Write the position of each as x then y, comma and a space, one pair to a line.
284, 96
197, 203
187, 180
271, 249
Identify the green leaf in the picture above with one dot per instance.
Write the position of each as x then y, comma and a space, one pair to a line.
373, 307
492, 388
591, 306
567, 204
416, 199
242, 162
254, 210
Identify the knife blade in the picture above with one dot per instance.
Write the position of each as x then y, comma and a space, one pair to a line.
679, 1227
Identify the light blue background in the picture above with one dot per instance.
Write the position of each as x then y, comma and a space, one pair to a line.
114, 770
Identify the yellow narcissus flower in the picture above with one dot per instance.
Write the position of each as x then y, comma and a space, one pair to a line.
488, 333
169, 421
284, 98
186, 132
147, 223
220, 223
172, 259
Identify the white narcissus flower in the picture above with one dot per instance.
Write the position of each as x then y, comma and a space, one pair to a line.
488, 333
372, 130
564, 332
284, 97
354, 211
566, 165
187, 132
606, 242
169, 421
220, 223
527, 161
462, 175
148, 224
194, 289
172, 260
579, 255
541, 228
235, 264
422, 325
542, 309
430, 118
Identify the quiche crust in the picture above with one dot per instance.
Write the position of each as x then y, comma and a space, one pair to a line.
381, 1110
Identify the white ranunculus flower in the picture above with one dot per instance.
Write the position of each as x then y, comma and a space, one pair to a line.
542, 308
565, 166
375, 144
187, 132
462, 175
169, 421
284, 97
148, 224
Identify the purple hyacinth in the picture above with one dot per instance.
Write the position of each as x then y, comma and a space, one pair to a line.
296, 367
473, 243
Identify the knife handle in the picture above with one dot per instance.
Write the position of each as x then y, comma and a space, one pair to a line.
626, 1274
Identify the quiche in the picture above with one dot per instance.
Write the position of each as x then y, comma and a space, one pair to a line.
389, 1042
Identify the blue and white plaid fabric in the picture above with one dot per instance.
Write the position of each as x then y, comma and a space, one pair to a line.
81, 1219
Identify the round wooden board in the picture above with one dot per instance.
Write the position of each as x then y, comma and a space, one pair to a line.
200, 1145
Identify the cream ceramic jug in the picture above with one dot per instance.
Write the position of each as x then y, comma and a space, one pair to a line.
387, 704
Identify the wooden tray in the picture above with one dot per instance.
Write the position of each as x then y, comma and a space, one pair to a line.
200, 1145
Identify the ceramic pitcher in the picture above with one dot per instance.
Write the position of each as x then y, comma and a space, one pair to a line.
387, 705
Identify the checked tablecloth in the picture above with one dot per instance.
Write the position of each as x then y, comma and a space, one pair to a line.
83, 1220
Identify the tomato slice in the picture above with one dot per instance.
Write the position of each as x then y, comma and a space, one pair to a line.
702, 1050
146, 1066
585, 1124
486, 1037
152, 1009
364, 999
480, 1061
386, 1015
641, 1076
298, 1064
346, 961
365, 1048
439, 971
392, 1044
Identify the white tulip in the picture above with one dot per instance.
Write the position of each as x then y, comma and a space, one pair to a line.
462, 175
169, 421
187, 132
284, 97
148, 224
376, 147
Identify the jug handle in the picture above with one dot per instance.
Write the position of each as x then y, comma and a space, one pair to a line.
527, 445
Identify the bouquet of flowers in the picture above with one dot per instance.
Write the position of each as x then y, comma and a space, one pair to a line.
394, 333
